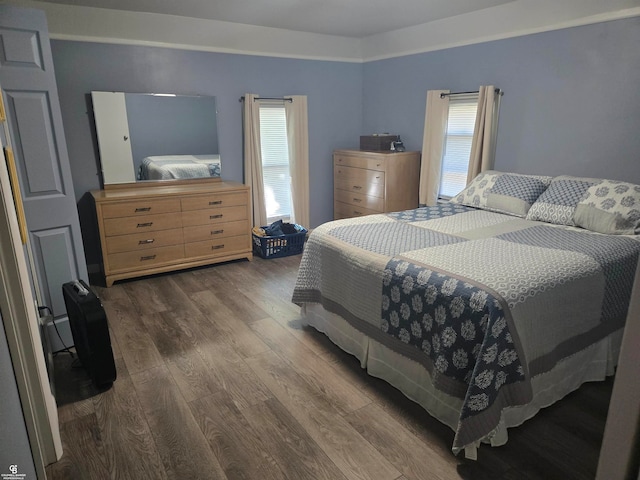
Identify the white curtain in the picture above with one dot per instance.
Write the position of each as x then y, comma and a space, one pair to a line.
435, 127
483, 145
253, 158
298, 140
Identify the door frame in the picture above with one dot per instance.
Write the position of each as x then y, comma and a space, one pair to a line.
21, 323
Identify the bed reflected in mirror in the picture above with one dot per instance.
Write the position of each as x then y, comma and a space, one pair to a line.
144, 136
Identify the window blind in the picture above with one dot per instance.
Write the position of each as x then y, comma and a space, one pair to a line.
457, 145
275, 162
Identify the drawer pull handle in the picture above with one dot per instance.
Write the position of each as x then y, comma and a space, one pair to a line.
378, 164
217, 232
217, 247
217, 202
356, 212
357, 187
141, 225
146, 242
378, 176
211, 217
148, 257
357, 199
143, 209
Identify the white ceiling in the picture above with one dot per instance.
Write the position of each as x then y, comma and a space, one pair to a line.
348, 18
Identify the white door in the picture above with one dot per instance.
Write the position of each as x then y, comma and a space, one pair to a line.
112, 128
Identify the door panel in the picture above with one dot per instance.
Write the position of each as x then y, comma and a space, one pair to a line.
21, 48
53, 248
34, 143
37, 137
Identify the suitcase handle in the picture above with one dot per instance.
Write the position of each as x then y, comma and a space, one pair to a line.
78, 287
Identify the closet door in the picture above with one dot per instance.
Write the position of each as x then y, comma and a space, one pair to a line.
37, 139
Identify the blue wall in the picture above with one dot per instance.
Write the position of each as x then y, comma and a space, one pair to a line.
571, 103
334, 91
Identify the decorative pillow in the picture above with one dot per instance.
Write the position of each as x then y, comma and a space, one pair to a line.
610, 207
558, 202
511, 193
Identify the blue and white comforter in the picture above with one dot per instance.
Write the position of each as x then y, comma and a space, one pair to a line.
484, 301
166, 167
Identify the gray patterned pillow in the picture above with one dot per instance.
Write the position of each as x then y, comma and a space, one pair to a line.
510, 193
558, 202
610, 207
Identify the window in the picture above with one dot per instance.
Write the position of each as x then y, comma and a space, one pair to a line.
275, 162
457, 144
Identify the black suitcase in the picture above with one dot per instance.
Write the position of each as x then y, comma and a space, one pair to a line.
90, 332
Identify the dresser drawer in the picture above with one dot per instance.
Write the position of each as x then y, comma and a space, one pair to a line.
144, 241
207, 232
200, 202
140, 207
359, 174
359, 200
218, 246
148, 223
359, 162
214, 215
145, 258
356, 185
344, 210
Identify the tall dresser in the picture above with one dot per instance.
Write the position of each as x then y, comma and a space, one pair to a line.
154, 228
366, 182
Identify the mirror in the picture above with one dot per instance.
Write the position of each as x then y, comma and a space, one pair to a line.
144, 136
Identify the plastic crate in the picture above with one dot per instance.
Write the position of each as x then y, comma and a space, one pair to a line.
280, 246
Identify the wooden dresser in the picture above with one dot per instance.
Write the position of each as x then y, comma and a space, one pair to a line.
365, 182
154, 228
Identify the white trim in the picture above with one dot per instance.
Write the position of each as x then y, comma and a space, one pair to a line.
512, 19
200, 48
599, 18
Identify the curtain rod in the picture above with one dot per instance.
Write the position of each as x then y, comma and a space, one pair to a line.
284, 99
442, 95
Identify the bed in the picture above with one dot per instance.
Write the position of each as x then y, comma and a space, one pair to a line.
486, 308
165, 167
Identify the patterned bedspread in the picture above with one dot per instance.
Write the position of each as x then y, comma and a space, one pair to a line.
484, 301
165, 167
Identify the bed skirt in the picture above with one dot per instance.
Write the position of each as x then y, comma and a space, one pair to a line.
594, 363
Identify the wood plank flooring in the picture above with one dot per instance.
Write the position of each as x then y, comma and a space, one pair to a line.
217, 379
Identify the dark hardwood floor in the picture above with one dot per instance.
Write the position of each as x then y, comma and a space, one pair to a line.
218, 379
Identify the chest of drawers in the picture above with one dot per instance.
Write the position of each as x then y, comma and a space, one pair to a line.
374, 182
159, 228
